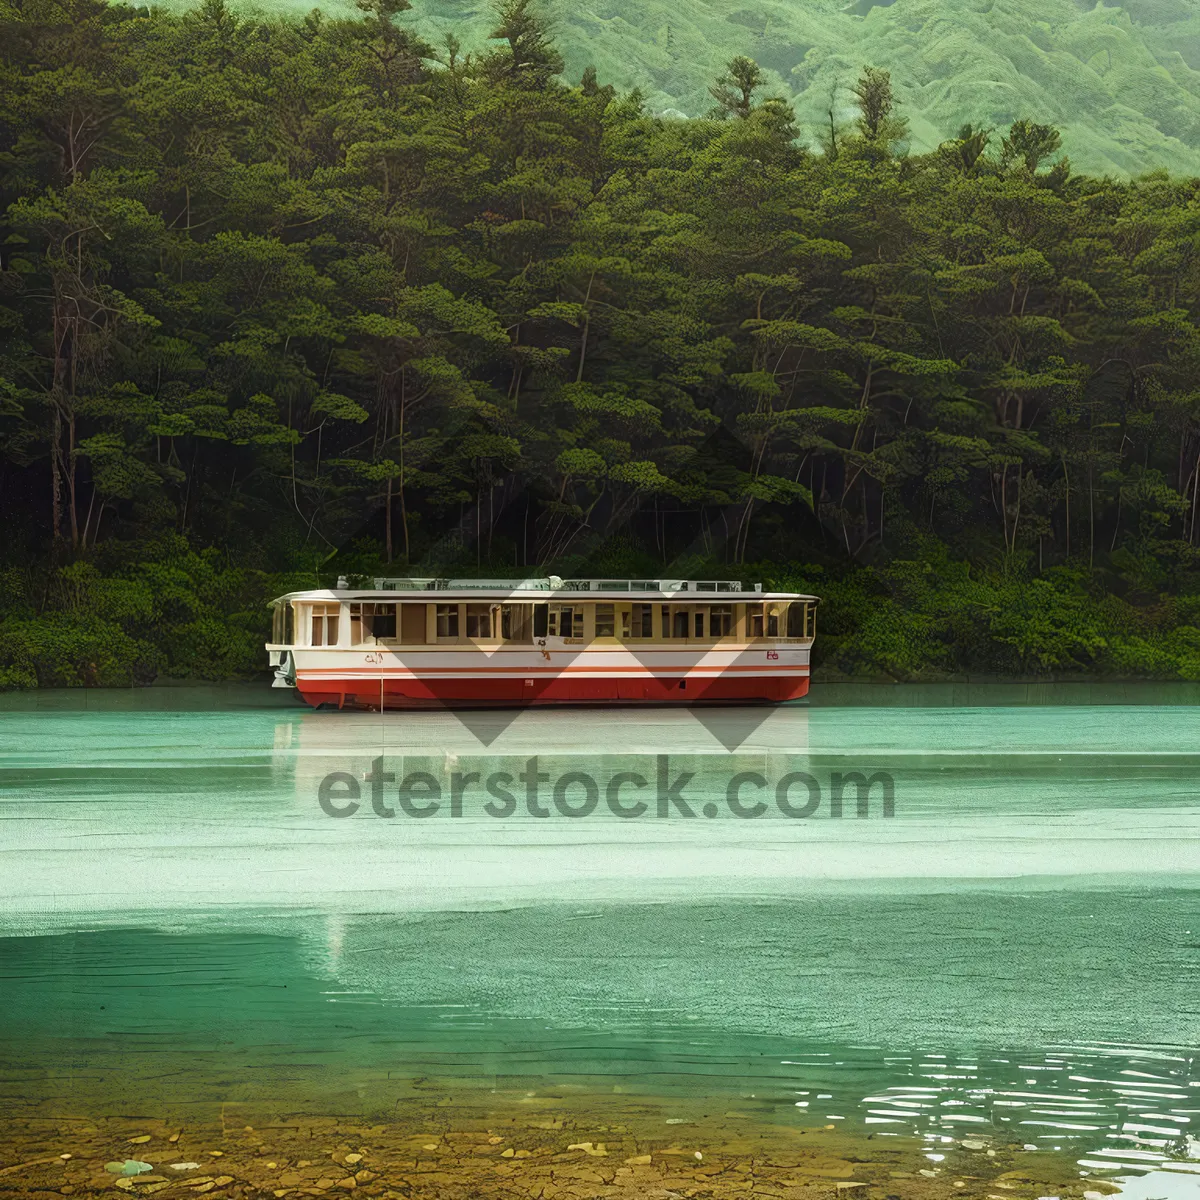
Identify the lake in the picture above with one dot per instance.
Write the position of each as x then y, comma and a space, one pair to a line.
932, 912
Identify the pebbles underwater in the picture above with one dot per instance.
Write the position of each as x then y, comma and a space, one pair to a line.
554, 1147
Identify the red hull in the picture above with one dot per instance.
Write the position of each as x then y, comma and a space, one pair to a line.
501, 692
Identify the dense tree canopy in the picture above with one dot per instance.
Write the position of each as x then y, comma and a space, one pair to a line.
1119, 78
318, 296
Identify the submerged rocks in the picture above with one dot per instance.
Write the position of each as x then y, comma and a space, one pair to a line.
130, 1166
489, 1152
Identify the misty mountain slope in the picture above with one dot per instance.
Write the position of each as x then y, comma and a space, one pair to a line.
1122, 83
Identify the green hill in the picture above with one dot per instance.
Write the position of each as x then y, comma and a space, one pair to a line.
1122, 83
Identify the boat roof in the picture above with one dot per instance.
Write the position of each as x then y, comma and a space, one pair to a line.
543, 589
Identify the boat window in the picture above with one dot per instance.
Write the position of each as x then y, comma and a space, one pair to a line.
541, 614
412, 624
370, 622
479, 620
606, 622
768, 620
720, 620
277, 624
447, 620
797, 619
289, 624
325, 624
674, 622
775, 617
699, 624
566, 622
642, 621
516, 622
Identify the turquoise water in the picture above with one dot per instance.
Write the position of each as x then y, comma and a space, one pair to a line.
1015, 950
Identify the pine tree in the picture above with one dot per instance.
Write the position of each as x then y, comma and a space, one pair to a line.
877, 122
529, 59
734, 91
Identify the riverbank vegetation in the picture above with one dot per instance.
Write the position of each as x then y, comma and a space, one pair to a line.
282, 299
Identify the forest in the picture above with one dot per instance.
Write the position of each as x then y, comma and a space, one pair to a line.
286, 299
1120, 79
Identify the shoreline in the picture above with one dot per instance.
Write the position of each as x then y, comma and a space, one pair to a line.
446, 1148
837, 692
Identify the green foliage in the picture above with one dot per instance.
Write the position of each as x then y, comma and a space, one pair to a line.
936, 619
123, 621
734, 91
273, 288
1120, 81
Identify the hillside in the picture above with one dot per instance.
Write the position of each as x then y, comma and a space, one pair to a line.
1122, 83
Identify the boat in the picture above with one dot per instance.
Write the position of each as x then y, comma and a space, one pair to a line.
479, 643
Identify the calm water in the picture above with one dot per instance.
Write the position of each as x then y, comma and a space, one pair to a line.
1014, 950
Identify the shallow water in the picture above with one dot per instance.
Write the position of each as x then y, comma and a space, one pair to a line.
1014, 951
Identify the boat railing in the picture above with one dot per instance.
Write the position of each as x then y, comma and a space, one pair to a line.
652, 585
442, 585
552, 584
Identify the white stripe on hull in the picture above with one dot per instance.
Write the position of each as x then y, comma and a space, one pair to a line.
379, 673
372, 663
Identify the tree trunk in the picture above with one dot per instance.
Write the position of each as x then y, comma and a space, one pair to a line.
1067, 479
1091, 518
1017, 514
55, 469
1004, 503
387, 521
491, 519
583, 349
587, 320
72, 506
404, 523
1195, 494
401, 417
88, 519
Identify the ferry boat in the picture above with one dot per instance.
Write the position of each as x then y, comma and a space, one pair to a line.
468, 643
